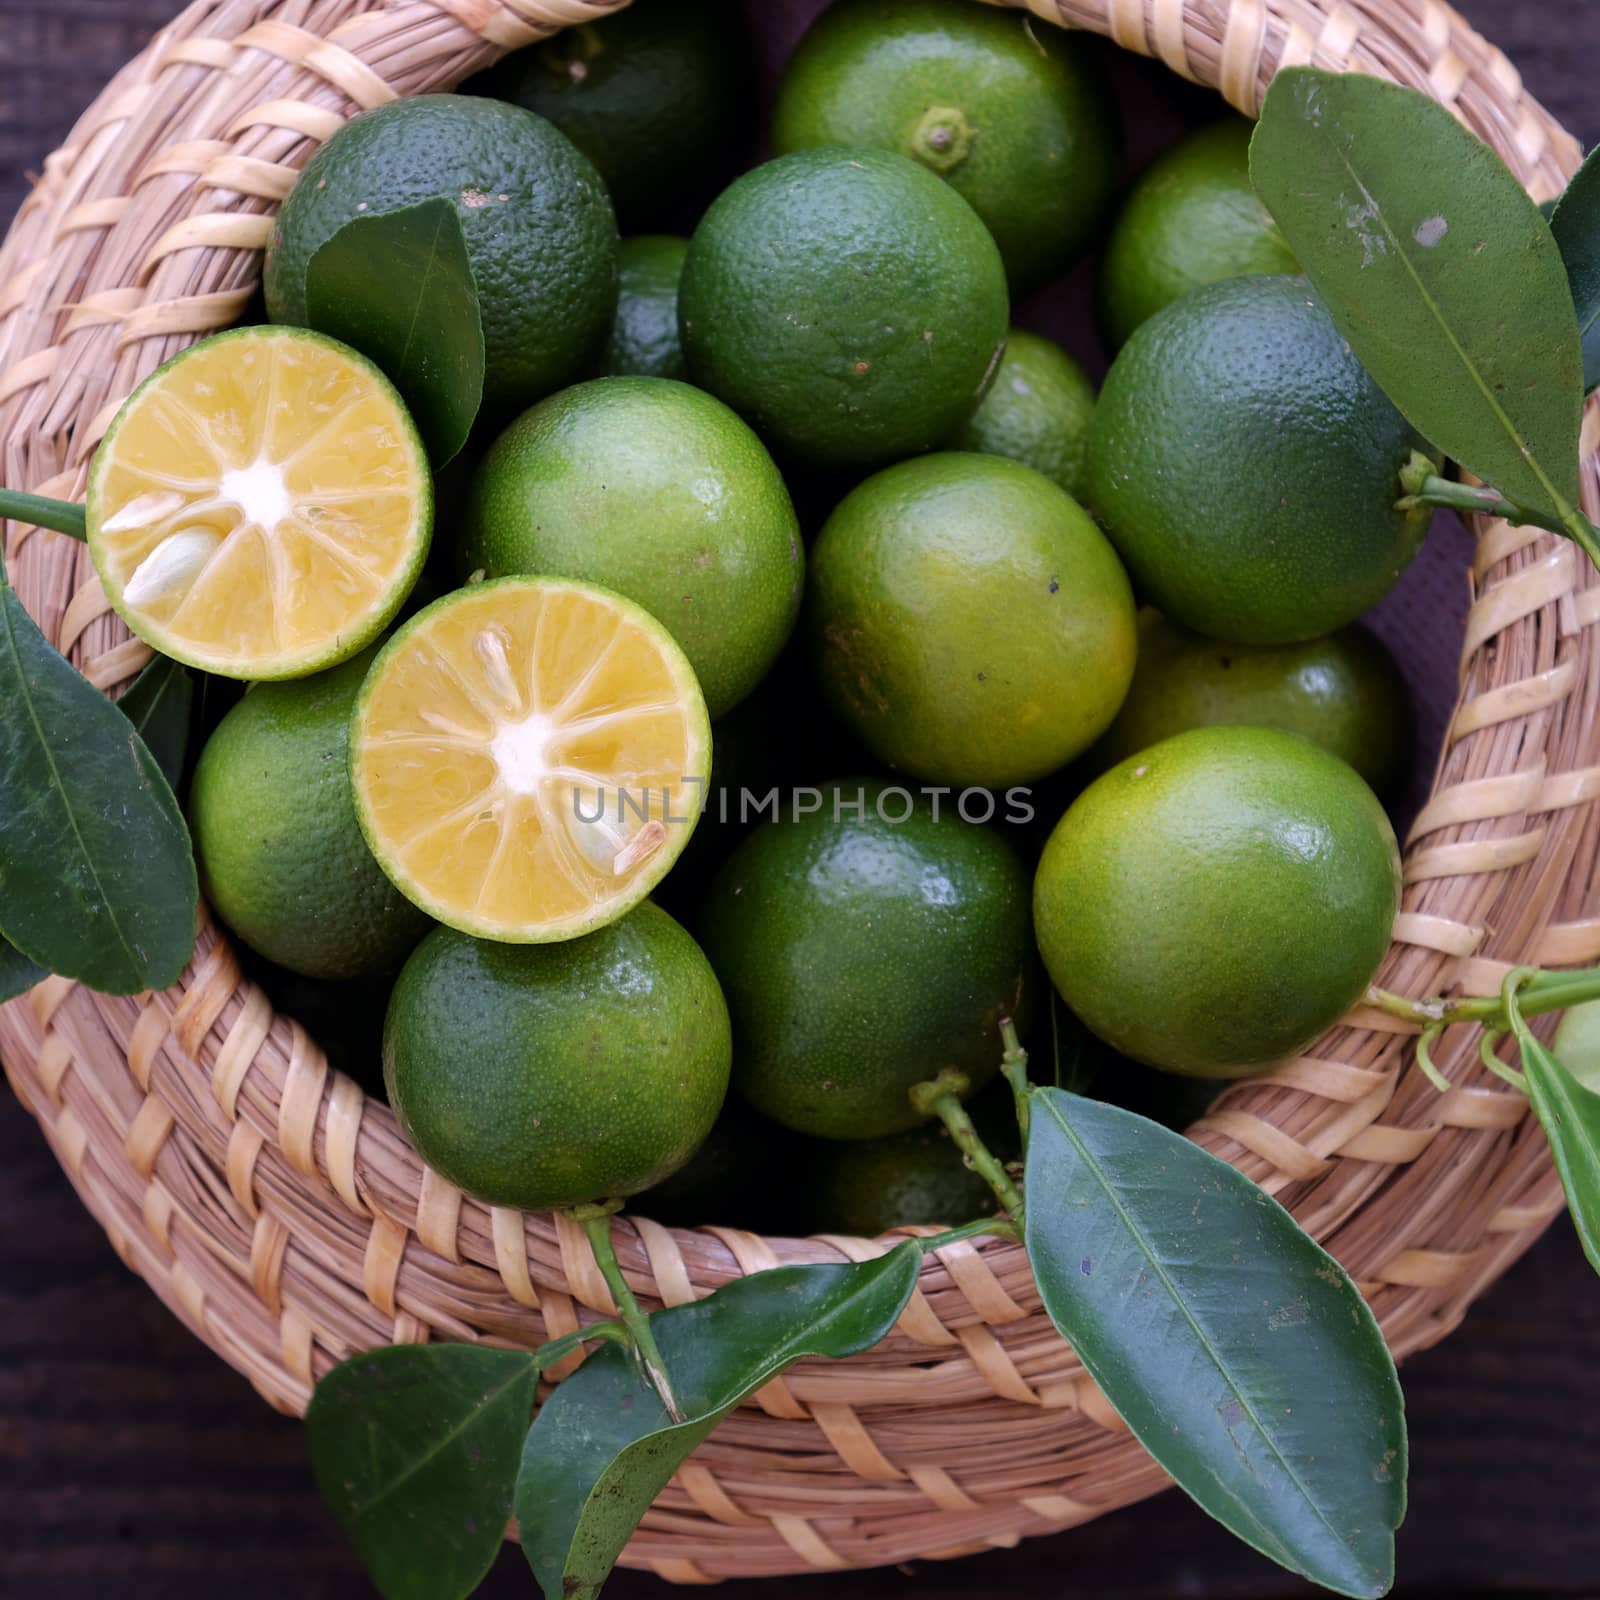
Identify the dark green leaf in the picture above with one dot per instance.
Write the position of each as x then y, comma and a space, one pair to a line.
17, 973
398, 286
1235, 1348
602, 1447
158, 703
1576, 225
97, 877
1571, 1117
1437, 268
415, 1448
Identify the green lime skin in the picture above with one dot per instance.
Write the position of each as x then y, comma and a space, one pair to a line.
552, 1075
1247, 468
644, 340
658, 491
847, 303
861, 956
1193, 218
1013, 114
281, 855
1212, 904
969, 621
1037, 411
662, 98
538, 223
1577, 1044
1344, 693
910, 1179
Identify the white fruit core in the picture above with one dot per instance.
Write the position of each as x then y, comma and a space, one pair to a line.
259, 492
519, 750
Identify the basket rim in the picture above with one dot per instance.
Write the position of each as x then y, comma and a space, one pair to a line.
214, 1103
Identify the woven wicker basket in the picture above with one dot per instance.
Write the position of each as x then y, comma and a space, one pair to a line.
282, 1215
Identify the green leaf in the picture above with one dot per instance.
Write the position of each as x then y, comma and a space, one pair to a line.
602, 1447
1571, 1117
1235, 1347
415, 1448
398, 286
158, 703
97, 876
1576, 225
1438, 270
17, 973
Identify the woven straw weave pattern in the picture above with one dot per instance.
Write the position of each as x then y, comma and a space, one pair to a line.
283, 1217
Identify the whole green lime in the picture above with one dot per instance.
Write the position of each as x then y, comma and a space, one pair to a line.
1011, 113
1577, 1044
552, 1075
281, 855
662, 98
659, 492
847, 303
1214, 903
915, 1178
969, 620
1343, 692
864, 946
644, 340
1037, 411
539, 228
1247, 468
1193, 218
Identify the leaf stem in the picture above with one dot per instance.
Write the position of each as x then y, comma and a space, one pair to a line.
556, 1350
596, 1223
941, 1097
38, 511
1014, 1064
999, 1227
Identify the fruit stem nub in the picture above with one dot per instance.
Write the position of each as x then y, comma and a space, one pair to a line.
596, 1224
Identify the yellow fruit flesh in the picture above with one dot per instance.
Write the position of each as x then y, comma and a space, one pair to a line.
260, 508
521, 758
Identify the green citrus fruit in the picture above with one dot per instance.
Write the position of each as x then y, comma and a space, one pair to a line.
662, 98
1193, 218
1343, 692
1214, 903
539, 228
1246, 466
1011, 113
275, 831
552, 1075
845, 302
918, 1177
1577, 1044
1037, 411
659, 492
644, 339
969, 620
862, 954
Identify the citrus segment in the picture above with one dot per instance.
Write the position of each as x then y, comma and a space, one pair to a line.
529, 757
261, 507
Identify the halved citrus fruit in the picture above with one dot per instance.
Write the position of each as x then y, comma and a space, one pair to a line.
529, 757
262, 505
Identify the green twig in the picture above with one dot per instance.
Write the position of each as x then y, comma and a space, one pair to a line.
1541, 992
1426, 488
60, 516
942, 1098
596, 1221
1425, 1058
1014, 1063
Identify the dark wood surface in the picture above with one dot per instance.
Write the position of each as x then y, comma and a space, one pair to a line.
134, 1464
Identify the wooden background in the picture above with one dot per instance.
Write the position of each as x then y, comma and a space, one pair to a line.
134, 1464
